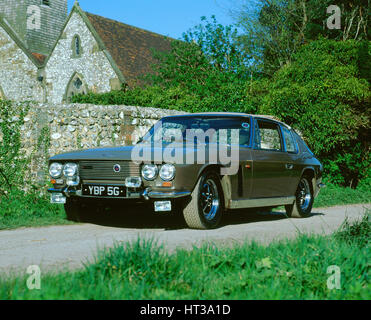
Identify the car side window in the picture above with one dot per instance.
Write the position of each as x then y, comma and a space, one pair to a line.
267, 136
289, 140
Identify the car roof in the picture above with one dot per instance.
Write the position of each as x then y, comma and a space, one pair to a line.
230, 114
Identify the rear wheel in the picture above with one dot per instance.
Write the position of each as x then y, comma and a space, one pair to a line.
205, 209
304, 199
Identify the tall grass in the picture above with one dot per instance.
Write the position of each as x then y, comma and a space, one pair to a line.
20, 209
292, 269
334, 195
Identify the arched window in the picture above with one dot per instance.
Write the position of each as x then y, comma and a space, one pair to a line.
75, 86
76, 47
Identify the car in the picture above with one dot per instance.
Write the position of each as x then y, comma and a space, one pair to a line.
199, 165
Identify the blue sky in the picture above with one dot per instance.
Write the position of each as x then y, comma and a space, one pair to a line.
167, 17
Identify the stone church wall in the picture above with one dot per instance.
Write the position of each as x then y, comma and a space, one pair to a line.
50, 129
92, 66
18, 74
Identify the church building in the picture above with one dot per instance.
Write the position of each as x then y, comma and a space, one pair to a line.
47, 56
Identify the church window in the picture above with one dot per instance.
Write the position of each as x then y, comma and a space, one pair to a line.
76, 47
77, 83
75, 86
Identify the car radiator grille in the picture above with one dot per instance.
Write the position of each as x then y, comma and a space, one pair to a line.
103, 170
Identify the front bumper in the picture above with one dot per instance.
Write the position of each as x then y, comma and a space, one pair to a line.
146, 194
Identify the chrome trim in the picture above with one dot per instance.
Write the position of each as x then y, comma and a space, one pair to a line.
164, 195
145, 194
263, 202
52, 190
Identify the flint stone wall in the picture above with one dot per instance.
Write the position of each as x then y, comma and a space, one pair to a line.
53, 129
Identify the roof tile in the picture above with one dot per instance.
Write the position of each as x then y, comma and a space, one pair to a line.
130, 47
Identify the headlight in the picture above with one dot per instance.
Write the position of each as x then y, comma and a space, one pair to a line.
55, 170
70, 170
149, 171
167, 172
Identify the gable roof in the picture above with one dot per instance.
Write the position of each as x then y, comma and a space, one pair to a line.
13, 35
130, 47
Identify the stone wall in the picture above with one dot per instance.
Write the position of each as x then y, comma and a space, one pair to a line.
18, 74
52, 129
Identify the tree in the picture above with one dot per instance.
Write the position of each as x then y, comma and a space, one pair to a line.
324, 95
274, 30
208, 64
209, 54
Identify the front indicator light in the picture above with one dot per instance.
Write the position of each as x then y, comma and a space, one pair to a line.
58, 198
162, 206
133, 182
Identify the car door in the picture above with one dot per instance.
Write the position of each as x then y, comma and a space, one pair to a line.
292, 149
271, 164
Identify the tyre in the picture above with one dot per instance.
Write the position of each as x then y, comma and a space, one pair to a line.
304, 199
74, 211
206, 206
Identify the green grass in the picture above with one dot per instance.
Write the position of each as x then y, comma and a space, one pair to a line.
18, 209
291, 269
334, 195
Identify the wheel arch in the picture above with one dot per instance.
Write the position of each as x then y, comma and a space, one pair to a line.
311, 174
225, 180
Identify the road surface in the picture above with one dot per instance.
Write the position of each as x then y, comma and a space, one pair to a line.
59, 248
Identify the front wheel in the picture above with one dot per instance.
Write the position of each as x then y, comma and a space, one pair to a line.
304, 199
205, 209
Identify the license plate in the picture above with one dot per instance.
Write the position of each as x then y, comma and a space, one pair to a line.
104, 191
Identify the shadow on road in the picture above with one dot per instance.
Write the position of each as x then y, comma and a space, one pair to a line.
142, 217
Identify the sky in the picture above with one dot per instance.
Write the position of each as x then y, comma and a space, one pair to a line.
168, 17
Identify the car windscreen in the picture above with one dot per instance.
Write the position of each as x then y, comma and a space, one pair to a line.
201, 129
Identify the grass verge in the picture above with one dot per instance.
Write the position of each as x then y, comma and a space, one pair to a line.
295, 269
334, 195
18, 209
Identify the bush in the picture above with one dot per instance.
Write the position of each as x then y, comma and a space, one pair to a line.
12, 162
21, 209
323, 94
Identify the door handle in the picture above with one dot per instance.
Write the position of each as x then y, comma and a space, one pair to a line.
289, 166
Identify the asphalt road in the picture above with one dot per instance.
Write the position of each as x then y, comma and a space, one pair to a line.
59, 247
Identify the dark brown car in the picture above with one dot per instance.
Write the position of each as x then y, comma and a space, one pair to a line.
202, 164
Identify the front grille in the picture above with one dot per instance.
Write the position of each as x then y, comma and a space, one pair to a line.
103, 170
